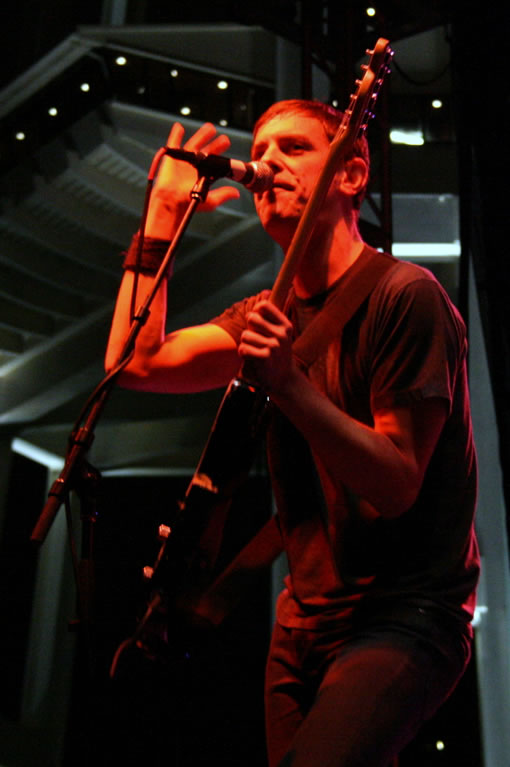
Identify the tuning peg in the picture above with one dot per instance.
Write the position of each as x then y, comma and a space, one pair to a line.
164, 532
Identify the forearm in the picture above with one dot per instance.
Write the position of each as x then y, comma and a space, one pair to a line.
384, 463
368, 462
192, 359
151, 336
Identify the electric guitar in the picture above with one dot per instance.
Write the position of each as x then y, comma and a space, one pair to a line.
189, 542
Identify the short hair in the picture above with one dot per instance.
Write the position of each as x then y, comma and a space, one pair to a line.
330, 118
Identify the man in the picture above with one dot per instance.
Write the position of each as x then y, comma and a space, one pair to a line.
373, 627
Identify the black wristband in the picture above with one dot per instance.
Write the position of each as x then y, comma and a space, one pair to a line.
150, 258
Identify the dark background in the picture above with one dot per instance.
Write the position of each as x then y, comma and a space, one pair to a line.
147, 718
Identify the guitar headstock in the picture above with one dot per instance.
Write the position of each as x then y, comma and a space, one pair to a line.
362, 103
354, 123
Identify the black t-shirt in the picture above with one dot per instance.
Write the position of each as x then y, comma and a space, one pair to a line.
406, 343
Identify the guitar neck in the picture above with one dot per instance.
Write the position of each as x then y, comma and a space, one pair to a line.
352, 126
307, 222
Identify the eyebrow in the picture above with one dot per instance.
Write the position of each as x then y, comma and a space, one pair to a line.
289, 135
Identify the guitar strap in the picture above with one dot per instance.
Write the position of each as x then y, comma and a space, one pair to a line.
353, 289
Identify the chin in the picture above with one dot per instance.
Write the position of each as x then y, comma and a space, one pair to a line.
279, 228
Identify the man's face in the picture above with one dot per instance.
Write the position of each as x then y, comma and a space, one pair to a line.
295, 147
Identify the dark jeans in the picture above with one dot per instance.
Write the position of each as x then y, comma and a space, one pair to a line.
355, 700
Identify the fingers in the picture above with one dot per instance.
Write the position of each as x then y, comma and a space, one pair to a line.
207, 140
176, 178
268, 331
218, 145
219, 196
266, 345
268, 320
175, 136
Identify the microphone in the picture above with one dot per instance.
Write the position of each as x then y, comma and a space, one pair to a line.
255, 176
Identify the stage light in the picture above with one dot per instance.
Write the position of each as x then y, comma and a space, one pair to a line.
53, 111
20, 136
408, 137
85, 87
121, 61
433, 250
185, 111
37, 454
437, 103
222, 85
174, 73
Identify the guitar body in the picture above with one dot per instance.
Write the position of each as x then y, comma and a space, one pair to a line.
229, 451
191, 538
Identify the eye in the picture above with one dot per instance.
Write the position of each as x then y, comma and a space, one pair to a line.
296, 146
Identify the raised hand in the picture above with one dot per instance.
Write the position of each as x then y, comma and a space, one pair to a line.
175, 180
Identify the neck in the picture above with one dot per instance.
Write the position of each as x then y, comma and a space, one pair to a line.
328, 255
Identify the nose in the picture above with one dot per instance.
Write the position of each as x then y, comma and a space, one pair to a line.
272, 157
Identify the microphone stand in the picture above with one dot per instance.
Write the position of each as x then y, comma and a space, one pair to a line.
78, 474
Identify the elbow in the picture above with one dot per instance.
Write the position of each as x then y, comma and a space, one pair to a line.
394, 508
402, 495
131, 376
109, 362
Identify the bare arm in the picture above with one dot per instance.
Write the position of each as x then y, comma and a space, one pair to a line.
385, 464
195, 358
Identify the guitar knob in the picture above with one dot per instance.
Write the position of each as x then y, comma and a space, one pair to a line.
164, 532
148, 572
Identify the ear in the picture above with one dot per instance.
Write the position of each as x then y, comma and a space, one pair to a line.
353, 177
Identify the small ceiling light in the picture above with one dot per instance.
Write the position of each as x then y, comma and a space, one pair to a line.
334, 103
440, 745
174, 73
53, 111
223, 123
185, 111
121, 61
222, 85
85, 87
437, 103
20, 136
371, 11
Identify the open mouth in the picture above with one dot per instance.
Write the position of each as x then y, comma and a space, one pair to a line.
282, 185
277, 186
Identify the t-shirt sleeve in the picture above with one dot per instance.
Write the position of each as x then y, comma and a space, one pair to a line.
233, 319
419, 344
